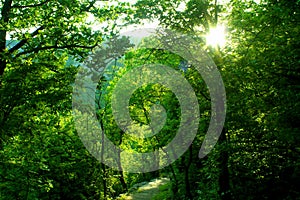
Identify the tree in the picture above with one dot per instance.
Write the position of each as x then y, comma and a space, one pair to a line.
43, 42
263, 48
259, 66
41, 45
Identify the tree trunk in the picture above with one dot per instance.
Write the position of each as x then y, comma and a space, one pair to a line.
103, 167
4, 20
121, 177
104, 180
186, 174
122, 180
224, 185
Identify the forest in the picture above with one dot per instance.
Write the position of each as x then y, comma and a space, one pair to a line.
95, 107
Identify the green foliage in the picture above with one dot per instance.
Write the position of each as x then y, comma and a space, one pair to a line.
164, 192
266, 60
41, 44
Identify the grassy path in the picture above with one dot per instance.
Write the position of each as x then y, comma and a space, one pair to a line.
146, 191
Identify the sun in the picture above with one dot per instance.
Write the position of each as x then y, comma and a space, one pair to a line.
216, 36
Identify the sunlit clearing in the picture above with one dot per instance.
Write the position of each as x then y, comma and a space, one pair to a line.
216, 36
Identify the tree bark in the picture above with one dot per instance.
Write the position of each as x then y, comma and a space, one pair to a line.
121, 177
4, 20
186, 174
224, 185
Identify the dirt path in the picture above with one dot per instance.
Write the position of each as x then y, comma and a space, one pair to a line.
147, 191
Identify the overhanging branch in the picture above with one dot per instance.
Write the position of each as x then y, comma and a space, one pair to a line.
24, 41
71, 46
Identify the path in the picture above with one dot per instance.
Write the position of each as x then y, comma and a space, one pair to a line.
147, 191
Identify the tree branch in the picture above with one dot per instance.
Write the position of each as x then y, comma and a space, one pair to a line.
205, 97
216, 12
91, 4
24, 41
71, 46
6, 10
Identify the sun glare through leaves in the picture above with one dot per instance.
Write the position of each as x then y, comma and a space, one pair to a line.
216, 36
